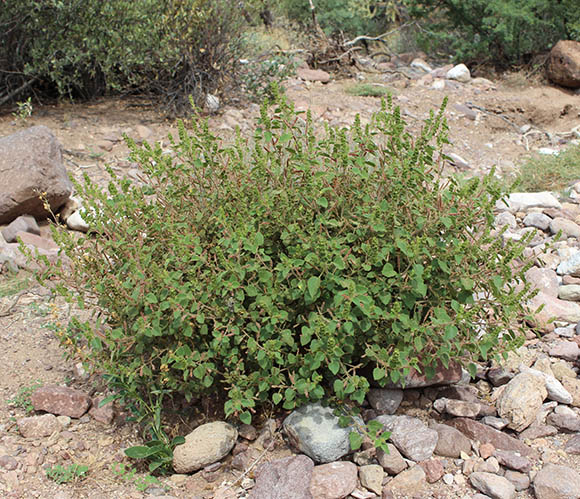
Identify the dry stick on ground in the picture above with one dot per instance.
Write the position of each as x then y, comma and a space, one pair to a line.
21, 88
254, 464
491, 113
8, 311
344, 54
377, 38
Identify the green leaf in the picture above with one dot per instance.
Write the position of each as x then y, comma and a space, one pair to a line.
313, 286
276, 398
322, 201
246, 417
450, 332
388, 270
355, 440
467, 283
378, 373
140, 452
334, 366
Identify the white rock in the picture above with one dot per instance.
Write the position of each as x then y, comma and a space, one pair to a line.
76, 222
570, 266
458, 160
459, 73
438, 84
547, 151
522, 201
505, 218
555, 389
421, 64
212, 103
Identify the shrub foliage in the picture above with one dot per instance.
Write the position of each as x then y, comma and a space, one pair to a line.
500, 32
291, 267
88, 47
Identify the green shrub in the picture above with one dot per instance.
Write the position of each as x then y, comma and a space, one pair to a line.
71, 473
287, 268
368, 90
88, 47
550, 173
354, 17
500, 32
260, 77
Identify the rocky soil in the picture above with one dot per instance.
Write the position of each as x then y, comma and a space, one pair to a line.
513, 432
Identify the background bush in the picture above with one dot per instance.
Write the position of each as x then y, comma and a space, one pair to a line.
289, 268
501, 32
88, 47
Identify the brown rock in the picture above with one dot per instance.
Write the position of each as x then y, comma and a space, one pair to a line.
486, 450
457, 408
61, 400
433, 470
104, 414
243, 460
105, 145
557, 482
554, 308
567, 350
573, 445
392, 462
38, 426
538, 431
30, 164
333, 480
8, 463
572, 386
564, 64
451, 442
287, 478
485, 434
521, 481
408, 482
513, 460
565, 422
313, 75
248, 432
41, 243
443, 376
23, 223
545, 280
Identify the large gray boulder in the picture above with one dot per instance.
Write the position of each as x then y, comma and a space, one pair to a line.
31, 165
